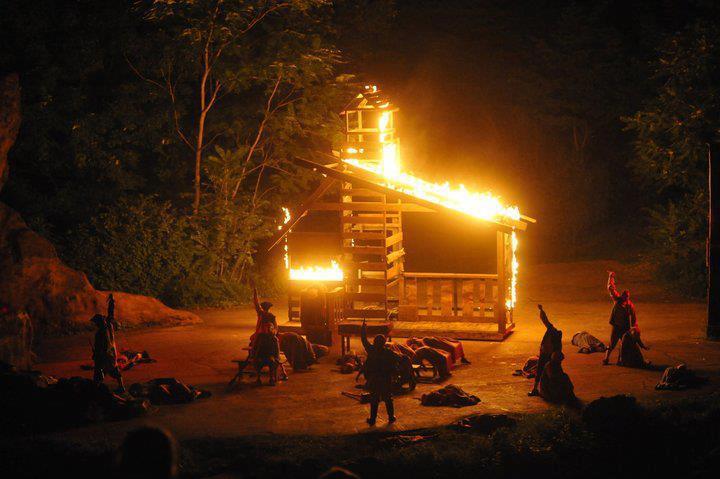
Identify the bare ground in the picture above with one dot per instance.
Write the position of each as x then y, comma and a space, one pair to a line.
573, 294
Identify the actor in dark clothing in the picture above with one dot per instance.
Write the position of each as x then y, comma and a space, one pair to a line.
105, 353
111, 308
380, 367
551, 343
622, 317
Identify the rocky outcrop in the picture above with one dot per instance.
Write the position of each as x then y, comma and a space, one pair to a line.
33, 279
9, 119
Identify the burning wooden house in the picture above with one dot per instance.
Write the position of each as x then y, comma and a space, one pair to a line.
351, 265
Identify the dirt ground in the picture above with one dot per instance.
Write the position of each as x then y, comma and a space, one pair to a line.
573, 295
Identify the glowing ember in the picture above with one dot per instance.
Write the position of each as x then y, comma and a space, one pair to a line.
317, 273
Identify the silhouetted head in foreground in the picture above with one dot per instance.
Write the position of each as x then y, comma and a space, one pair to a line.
379, 341
266, 305
338, 473
148, 452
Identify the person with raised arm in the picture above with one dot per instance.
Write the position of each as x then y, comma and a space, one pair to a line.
622, 317
380, 366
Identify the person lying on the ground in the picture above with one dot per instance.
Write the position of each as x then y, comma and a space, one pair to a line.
105, 353
551, 342
630, 355
622, 317
555, 385
587, 343
452, 346
440, 360
401, 349
298, 350
380, 368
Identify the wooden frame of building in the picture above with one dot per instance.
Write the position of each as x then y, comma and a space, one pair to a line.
369, 244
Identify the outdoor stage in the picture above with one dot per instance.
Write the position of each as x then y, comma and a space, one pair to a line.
573, 295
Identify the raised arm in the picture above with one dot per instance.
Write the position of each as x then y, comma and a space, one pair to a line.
611, 286
544, 318
256, 301
363, 337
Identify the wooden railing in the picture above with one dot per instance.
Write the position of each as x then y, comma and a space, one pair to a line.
450, 297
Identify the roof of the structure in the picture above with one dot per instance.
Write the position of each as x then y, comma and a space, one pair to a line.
365, 179
369, 99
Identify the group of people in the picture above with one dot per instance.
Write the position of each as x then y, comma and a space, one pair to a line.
552, 383
381, 365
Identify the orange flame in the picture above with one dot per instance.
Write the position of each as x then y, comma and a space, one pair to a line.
317, 273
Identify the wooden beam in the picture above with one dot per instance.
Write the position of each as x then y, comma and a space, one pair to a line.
363, 179
304, 207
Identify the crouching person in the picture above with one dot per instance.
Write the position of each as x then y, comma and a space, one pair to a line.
555, 385
105, 353
630, 345
551, 343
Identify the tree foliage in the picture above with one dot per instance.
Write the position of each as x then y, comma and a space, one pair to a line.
675, 131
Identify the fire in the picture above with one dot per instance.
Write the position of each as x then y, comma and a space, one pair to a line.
514, 266
286, 219
480, 205
317, 273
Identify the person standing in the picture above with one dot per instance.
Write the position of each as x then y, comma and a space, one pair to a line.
622, 317
551, 343
105, 353
380, 366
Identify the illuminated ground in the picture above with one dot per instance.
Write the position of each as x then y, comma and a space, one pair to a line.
573, 295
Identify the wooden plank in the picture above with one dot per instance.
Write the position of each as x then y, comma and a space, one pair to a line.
394, 239
366, 297
407, 312
366, 266
362, 235
362, 192
409, 295
365, 313
409, 274
452, 319
467, 289
395, 255
356, 206
367, 281
363, 220
364, 179
446, 300
377, 250
302, 209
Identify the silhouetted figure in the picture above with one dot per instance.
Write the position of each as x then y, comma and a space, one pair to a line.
105, 353
264, 344
148, 453
551, 343
336, 472
110, 308
630, 354
554, 384
622, 317
266, 322
380, 367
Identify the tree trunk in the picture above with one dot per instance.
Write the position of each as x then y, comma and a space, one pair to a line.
713, 243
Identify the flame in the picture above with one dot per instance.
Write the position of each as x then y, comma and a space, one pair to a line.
480, 205
286, 219
514, 266
317, 273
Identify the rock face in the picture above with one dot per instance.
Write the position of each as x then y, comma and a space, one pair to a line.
32, 277
9, 119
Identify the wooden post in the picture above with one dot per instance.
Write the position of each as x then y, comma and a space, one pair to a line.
502, 289
713, 244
